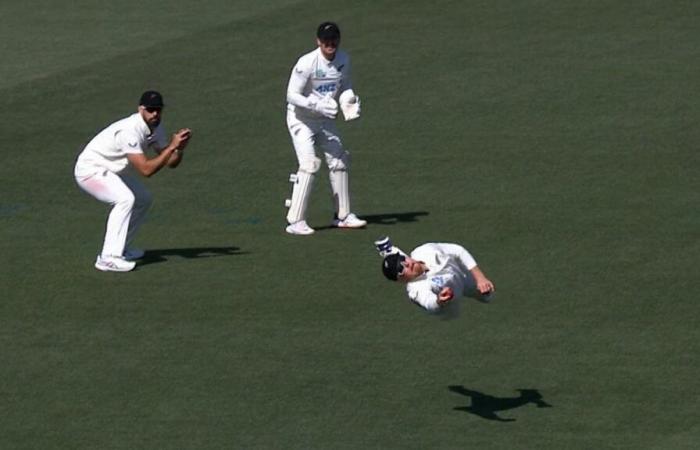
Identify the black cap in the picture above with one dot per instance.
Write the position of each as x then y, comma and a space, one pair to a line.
392, 267
151, 99
328, 31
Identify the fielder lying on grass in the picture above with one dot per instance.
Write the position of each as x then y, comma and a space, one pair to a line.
435, 273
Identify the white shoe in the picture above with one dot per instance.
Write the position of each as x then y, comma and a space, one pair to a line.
301, 228
114, 264
350, 221
132, 254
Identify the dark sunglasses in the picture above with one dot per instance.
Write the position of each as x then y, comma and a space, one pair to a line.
400, 267
330, 42
152, 109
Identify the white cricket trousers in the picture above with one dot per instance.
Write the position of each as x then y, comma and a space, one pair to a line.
130, 201
306, 136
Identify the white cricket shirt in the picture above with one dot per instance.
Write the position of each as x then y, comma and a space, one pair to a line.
448, 266
313, 72
108, 149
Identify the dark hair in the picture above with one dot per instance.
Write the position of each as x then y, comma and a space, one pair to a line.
392, 267
328, 31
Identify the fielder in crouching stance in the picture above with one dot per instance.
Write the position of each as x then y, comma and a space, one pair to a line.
319, 81
435, 273
100, 171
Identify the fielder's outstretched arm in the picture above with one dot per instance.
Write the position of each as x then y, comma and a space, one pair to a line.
483, 284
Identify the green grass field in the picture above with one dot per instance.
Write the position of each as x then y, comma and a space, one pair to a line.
557, 140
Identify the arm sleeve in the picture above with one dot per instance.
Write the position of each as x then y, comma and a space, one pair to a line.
461, 253
295, 88
425, 298
128, 142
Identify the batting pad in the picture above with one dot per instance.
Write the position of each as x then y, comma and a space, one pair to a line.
341, 192
300, 197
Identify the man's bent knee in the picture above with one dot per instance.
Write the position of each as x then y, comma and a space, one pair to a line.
340, 163
126, 200
310, 165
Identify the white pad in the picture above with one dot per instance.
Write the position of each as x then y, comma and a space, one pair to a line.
341, 192
300, 196
308, 165
349, 104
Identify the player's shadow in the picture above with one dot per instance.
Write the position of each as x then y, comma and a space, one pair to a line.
392, 218
161, 255
486, 406
387, 218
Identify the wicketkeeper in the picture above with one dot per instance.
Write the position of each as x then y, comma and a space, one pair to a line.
435, 273
319, 82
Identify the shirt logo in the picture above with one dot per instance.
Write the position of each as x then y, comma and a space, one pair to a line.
132, 144
325, 88
320, 73
438, 281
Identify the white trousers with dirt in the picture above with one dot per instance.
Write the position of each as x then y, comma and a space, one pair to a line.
130, 200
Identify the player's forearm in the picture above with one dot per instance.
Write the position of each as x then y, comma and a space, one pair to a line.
175, 159
297, 99
478, 274
483, 284
426, 300
295, 89
152, 166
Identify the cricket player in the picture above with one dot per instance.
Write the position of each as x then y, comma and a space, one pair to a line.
100, 171
319, 82
434, 273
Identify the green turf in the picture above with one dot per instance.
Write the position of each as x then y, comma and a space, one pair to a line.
557, 140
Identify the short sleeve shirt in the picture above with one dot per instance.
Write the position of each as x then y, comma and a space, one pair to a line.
108, 150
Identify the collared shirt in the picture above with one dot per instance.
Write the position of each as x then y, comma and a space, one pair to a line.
313, 73
108, 150
448, 266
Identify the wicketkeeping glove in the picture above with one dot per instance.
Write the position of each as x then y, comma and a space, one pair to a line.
326, 105
349, 104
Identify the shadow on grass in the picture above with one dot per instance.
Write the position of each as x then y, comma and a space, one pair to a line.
392, 218
486, 406
386, 218
161, 255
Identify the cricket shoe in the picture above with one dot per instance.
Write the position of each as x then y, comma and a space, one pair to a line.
132, 254
350, 221
300, 228
384, 246
114, 264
